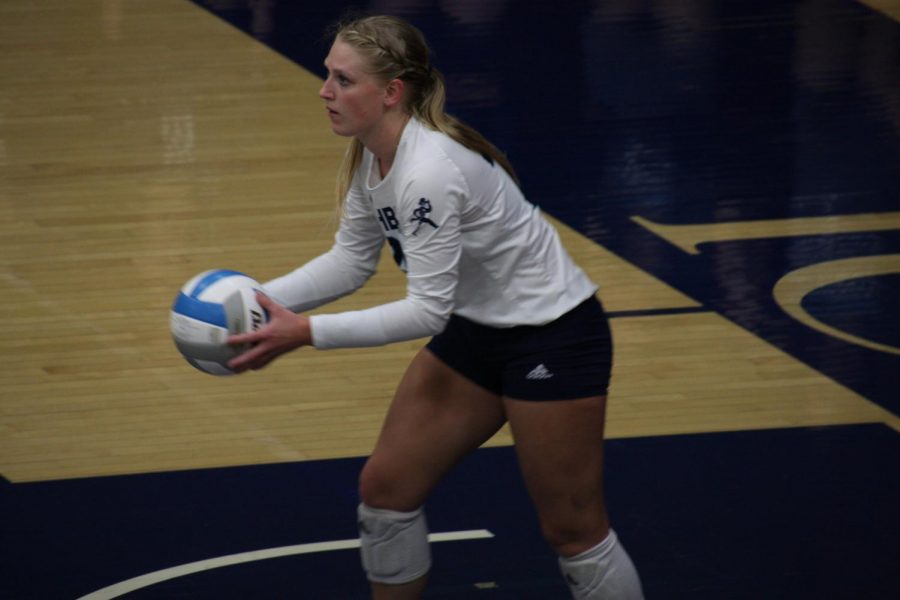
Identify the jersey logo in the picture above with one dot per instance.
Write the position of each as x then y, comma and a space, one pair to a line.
420, 215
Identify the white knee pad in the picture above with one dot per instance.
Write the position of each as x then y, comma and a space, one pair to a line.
394, 545
604, 572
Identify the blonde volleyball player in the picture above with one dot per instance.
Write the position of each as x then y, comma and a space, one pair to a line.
519, 335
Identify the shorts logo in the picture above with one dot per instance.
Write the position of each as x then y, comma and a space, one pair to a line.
539, 372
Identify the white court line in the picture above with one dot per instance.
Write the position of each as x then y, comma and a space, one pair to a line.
130, 585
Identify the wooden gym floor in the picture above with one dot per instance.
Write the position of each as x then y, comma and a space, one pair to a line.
729, 178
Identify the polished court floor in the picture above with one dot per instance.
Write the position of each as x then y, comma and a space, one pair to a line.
726, 171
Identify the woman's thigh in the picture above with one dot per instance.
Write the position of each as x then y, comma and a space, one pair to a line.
437, 416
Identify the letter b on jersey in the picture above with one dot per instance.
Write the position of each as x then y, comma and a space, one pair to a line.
388, 218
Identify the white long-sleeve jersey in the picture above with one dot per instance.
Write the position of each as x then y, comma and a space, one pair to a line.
462, 231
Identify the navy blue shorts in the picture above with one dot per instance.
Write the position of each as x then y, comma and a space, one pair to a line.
566, 359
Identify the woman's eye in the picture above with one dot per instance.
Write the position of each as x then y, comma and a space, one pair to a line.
343, 81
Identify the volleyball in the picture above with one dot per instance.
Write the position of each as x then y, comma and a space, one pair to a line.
210, 307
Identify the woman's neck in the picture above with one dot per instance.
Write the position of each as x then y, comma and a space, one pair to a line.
383, 145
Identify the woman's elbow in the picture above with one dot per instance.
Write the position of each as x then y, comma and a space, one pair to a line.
435, 313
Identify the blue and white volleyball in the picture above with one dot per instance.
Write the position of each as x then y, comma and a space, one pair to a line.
210, 307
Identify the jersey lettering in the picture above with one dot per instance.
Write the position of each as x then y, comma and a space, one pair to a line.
388, 218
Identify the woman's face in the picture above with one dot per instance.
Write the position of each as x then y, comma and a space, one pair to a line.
353, 98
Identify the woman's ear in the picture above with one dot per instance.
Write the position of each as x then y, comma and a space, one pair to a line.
393, 92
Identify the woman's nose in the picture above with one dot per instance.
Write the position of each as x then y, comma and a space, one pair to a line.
325, 91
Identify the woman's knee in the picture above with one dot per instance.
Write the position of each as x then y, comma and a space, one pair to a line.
573, 528
381, 486
374, 486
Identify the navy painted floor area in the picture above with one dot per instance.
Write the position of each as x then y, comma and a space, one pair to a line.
683, 113
800, 514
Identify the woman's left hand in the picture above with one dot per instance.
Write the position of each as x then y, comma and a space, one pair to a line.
284, 332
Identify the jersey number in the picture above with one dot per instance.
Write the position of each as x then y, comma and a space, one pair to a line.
397, 251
